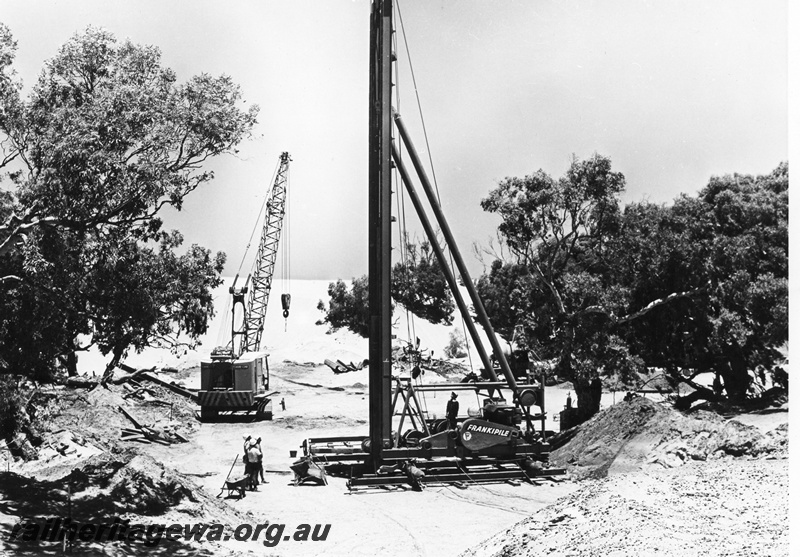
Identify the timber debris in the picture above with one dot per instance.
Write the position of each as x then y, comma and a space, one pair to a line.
149, 434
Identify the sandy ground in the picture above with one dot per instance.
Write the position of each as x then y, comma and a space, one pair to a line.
629, 512
728, 507
657, 482
439, 521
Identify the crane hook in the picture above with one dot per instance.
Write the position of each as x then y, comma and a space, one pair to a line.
286, 300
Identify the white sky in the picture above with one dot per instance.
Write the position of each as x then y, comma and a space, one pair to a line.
672, 91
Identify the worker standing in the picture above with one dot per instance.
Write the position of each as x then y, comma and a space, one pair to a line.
260, 465
452, 411
247, 468
253, 457
283, 404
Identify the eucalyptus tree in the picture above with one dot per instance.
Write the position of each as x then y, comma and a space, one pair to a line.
730, 242
561, 296
698, 286
106, 138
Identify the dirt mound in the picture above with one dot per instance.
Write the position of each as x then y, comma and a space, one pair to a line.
96, 414
632, 434
139, 486
724, 507
115, 484
108, 486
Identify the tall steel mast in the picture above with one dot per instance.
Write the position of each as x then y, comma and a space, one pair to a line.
489, 446
380, 235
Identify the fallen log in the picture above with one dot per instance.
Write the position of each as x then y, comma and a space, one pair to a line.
83, 382
169, 385
128, 415
153, 400
134, 374
180, 437
80, 382
156, 439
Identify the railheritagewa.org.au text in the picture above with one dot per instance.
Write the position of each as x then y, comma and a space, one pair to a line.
58, 530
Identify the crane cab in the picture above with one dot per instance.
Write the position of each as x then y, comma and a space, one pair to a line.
234, 384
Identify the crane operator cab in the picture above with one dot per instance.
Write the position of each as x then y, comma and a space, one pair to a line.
234, 384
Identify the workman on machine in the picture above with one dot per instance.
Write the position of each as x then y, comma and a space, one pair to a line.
452, 411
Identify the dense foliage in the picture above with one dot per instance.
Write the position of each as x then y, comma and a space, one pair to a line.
347, 308
418, 283
106, 138
605, 293
559, 231
730, 243
456, 345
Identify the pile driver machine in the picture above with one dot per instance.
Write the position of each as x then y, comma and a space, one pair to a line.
500, 441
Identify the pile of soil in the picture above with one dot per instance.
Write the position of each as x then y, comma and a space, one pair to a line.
97, 416
110, 485
641, 432
726, 507
658, 482
123, 485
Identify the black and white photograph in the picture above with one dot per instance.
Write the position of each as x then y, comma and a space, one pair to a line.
418, 278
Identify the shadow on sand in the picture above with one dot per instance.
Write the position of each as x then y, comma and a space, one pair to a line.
74, 497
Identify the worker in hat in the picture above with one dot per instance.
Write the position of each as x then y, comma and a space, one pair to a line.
260, 466
252, 467
452, 411
248, 469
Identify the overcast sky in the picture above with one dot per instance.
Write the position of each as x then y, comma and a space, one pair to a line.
672, 91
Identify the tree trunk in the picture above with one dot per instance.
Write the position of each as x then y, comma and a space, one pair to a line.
700, 393
69, 360
736, 379
588, 393
118, 352
71, 363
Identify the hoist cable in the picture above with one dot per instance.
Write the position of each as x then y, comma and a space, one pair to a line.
286, 261
419, 104
430, 161
286, 238
258, 220
402, 227
222, 332
401, 230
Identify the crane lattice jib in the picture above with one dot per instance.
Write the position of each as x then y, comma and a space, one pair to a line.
261, 279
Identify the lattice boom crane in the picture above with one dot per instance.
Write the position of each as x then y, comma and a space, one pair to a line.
259, 285
236, 378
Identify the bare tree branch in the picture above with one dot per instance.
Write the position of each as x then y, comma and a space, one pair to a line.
635, 315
